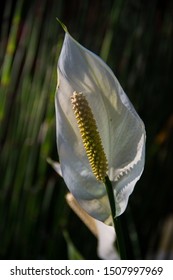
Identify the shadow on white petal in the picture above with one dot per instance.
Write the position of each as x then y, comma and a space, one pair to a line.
106, 242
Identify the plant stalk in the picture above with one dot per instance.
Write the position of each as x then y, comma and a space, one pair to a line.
116, 220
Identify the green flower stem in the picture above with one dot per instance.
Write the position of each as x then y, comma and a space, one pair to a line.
116, 220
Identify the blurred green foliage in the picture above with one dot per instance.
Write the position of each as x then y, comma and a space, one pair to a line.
135, 38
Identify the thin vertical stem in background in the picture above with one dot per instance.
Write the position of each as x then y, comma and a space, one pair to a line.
28, 51
116, 220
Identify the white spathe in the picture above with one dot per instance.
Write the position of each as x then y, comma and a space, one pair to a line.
121, 130
106, 242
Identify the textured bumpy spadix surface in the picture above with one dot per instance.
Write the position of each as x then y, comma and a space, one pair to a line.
90, 135
118, 125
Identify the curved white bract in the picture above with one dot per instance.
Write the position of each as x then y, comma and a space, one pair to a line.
120, 128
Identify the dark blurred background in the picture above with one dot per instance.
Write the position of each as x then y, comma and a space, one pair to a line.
135, 38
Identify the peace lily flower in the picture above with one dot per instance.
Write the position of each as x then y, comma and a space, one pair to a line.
99, 133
